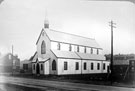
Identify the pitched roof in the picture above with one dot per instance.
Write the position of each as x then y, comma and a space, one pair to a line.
76, 55
41, 60
86, 56
70, 38
65, 54
121, 62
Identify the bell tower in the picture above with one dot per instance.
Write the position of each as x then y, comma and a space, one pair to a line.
46, 22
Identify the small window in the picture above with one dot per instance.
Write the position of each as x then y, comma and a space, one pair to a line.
91, 50
65, 66
84, 49
70, 48
98, 66
97, 51
92, 66
77, 66
58, 47
41, 66
85, 66
77, 48
103, 66
54, 65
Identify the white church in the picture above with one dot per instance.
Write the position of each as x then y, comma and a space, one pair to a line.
60, 53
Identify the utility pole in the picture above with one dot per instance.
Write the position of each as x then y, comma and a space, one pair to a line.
111, 66
12, 60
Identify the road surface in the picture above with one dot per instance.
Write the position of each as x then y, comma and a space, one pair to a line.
42, 84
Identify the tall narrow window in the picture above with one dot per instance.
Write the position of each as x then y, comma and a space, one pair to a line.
34, 66
103, 66
58, 46
41, 66
43, 47
92, 66
85, 66
70, 47
65, 66
97, 51
91, 50
77, 48
84, 49
77, 66
98, 66
54, 65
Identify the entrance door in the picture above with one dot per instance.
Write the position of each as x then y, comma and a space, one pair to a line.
37, 68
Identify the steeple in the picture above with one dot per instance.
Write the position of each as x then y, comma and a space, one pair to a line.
46, 22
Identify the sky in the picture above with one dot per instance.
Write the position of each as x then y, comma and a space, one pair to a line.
21, 22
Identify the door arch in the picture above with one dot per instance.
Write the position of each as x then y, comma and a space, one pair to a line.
37, 69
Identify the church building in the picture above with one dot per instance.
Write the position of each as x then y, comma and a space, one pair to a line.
60, 53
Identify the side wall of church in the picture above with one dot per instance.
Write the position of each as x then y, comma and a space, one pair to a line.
71, 66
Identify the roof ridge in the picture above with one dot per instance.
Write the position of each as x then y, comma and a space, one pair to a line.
72, 34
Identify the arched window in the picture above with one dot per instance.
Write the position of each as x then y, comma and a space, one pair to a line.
42, 66
54, 65
43, 47
34, 66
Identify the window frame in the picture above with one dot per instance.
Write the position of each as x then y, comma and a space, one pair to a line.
70, 47
65, 65
43, 47
91, 50
97, 51
98, 66
41, 67
76, 65
92, 66
78, 48
85, 50
58, 46
104, 66
33, 66
85, 66
54, 67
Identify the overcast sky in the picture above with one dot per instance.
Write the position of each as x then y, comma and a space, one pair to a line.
21, 22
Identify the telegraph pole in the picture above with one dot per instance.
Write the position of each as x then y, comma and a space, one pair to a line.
111, 66
12, 60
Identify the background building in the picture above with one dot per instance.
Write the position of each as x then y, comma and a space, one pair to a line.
9, 63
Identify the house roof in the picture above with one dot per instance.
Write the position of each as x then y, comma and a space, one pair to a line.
70, 38
121, 62
87, 56
65, 54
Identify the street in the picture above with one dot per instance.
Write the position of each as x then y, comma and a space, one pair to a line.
46, 85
